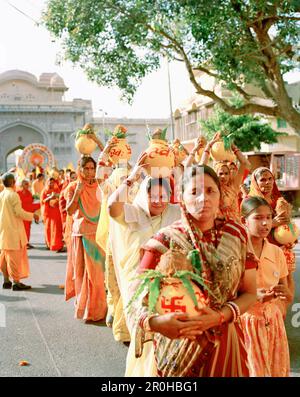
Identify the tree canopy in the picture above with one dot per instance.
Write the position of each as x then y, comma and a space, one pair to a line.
247, 131
241, 43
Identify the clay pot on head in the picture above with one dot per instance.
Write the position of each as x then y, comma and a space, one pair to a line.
83, 144
122, 151
160, 158
218, 152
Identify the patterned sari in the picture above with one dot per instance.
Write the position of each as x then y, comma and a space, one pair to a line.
219, 352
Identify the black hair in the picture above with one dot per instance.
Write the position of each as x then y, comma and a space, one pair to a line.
159, 182
85, 160
39, 175
8, 179
259, 171
192, 171
252, 203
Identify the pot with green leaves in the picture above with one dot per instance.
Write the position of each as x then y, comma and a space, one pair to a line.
85, 145
159, 155
122, 150
176, 285
221, 151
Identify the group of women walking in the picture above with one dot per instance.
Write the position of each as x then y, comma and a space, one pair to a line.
120, 224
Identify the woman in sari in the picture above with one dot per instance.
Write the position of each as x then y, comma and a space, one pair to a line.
211, 343
51, 216
85, 268
230, 180
133, 220
263, 324
109, 180
263, 185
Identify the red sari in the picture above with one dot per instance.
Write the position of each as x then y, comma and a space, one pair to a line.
28, 205
224, 257
52, 220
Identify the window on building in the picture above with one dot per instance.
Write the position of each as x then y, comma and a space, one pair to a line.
281, 123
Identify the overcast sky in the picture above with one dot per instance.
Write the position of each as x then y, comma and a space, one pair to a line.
28, 47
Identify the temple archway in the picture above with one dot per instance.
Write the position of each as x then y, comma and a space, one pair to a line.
18, 135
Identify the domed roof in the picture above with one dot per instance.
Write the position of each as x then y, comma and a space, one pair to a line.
56, 80
18, 75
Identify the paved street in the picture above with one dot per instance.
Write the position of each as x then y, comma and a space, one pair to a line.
40, 327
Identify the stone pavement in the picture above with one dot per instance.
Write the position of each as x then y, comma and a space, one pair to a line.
40, 327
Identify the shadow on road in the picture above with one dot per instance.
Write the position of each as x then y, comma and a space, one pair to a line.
48, 289
4, 298
100, 323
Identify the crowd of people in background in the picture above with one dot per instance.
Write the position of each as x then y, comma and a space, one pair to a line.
118, 223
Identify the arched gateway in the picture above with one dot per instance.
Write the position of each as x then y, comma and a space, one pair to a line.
34, 110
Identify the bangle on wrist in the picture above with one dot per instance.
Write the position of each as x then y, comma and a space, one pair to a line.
146, 326
235, 309
234, 317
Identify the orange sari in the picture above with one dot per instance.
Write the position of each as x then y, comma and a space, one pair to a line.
86, 261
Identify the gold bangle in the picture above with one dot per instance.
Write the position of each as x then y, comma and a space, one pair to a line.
146, 325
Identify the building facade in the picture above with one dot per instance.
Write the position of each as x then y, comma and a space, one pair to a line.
198, 108
35, 111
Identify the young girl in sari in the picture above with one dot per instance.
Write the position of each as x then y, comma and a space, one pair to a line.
263, 325
263, 185
227, 267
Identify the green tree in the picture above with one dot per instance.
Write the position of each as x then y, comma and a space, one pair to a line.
239, 42
247, 131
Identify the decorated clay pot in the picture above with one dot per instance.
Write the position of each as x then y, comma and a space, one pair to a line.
219, 153
174, 297
122, 151
160, 158
286, 234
